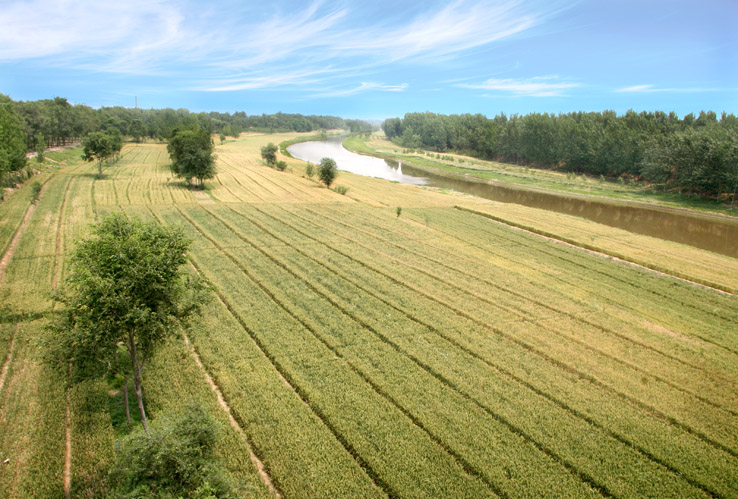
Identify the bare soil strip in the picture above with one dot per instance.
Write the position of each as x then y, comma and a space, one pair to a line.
254, 459
8, 358
18, 234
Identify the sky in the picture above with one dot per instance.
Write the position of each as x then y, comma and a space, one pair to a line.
375, 59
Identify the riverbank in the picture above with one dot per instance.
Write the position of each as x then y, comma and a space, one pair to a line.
621, 193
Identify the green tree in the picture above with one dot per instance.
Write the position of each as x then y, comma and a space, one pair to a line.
191, 152
12, 138
125, 286
269, 154
137, 130
98, 146
40, 147
327, 171
175, 459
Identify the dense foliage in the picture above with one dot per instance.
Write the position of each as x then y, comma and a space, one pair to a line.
62, 123
174, 460
191, 152
692, 155
101, 147
327, 171
125, 286
12, 138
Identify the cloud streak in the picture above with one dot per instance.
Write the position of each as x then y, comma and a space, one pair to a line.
539, 86
286, 47
651, 89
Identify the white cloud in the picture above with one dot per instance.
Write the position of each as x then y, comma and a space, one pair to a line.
539, 86
235, 46
651, 89
365, 86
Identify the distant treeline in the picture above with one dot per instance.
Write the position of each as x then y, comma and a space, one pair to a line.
61, 122
694, 155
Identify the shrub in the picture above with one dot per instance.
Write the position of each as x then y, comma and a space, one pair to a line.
35, 191
309, 170
174, 460
280, 165
341, 189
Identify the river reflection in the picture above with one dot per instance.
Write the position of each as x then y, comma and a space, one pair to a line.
351, 162
708, 232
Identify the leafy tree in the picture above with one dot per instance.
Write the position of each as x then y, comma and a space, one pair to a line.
125, 286
327, 171
12, 138
269, 154
137, 129
174, 460
98, 146
191, 152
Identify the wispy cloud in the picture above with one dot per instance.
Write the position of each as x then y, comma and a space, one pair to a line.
651, 89
363, 87
539, 86
235, 46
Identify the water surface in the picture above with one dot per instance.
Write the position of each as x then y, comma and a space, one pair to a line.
711, 232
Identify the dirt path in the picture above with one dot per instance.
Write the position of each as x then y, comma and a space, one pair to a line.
226, 408
8, 358
18, 234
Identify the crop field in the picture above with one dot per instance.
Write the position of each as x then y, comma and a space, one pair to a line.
351, 351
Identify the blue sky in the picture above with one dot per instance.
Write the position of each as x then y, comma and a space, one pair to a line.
375, 59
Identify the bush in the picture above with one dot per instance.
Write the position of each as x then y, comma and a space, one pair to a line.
280, 165
341, 189
309, 170
174, 460
35, 191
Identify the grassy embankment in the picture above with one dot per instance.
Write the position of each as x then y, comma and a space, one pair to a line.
438, 353
530, 178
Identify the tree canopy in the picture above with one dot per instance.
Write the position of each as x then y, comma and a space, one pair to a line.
269, 154
102, 146
695, 155
125, 286
191, 152
12, 138
327, 171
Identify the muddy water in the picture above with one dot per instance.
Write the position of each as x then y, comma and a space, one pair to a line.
713, 233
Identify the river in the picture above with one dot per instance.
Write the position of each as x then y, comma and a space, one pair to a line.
711, 232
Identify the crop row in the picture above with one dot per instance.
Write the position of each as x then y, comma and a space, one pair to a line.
325, 310
687, 438
516, 299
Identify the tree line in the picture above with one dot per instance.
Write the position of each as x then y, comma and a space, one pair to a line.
34, 125
692, 155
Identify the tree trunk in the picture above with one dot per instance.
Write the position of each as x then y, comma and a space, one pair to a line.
99, 169
125, 388
125, 394
137, 381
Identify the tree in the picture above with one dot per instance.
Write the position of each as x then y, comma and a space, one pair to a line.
176, 459
137, 130
40, 147
191, 152
126, 286
12, 138
269, 154
97, 146
327, 171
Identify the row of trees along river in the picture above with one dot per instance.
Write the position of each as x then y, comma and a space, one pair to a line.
692, 155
